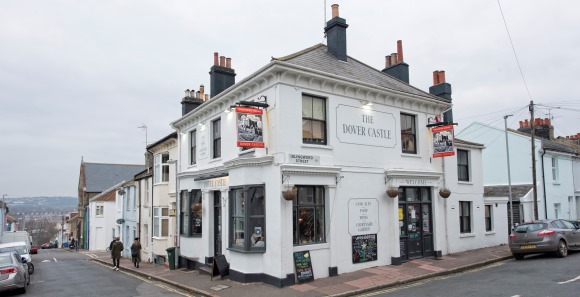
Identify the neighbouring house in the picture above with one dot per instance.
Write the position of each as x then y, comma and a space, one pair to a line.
161, 207
317, 155
145, 183
94, 178
556, 178
103, 216
71, 225
127, 215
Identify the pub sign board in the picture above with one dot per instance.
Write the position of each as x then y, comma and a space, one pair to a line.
303, 265
443, 141
249, 127
364, 248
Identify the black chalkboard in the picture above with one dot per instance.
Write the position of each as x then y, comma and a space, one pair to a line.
220, 266
303, 265
364, 248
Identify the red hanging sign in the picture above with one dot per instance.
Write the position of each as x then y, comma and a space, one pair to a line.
443, 141
249, 127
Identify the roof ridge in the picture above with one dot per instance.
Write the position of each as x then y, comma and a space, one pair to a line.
298, 53
95, 163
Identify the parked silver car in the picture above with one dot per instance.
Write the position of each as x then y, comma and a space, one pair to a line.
13, 272
544, 236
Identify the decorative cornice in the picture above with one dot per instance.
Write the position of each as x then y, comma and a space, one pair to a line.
291, 169
249, 162
406, 173
219, 170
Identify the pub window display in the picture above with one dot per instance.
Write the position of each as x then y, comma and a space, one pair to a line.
308, 215
191, 213
247, 218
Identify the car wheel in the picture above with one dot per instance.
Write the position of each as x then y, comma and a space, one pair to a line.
518, 256
30, 268
562, 249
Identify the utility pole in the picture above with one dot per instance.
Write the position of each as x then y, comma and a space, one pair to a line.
534, 161
507, 149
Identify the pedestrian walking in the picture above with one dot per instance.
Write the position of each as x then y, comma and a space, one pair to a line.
136, 252
116, 250
73, 243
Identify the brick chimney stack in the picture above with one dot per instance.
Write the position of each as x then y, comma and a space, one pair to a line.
336, 35
221, 75
542, 128
442, 89
190, 101
395, 65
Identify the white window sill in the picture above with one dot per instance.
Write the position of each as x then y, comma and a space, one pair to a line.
161, 183
410, 155
192, 166
464, 182
465, 235
215, 160
489, 232
160, 238
556, 183
312, 247
318, 146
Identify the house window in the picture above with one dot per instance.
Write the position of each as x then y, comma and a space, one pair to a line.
408, 134
488, 217
557, 210
464, 217
191, 213
146, 191
462, 165
132, 195
160, 222
100, 210
216, 138
161, 171
308, 215
555, 174
247, 218
192, 147
313, 120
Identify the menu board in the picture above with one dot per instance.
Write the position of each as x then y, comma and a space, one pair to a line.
303, 265
364, 248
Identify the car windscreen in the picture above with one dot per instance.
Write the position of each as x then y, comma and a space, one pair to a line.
5, 259
530, 228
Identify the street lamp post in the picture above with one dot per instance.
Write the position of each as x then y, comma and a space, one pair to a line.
507, 148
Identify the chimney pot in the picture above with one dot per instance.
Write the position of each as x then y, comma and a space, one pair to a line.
441, 75
526, 123
197, 94
187, 93
400, 50
223, 61
334, 10
393, 58
201, 89
521, 124
567, 137
435, 78
538, 122
215, 58
547, 122
229, 63
578, 135
387, 61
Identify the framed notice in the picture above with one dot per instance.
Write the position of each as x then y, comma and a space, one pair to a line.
303, 265
443, 141
364, 248
249, 127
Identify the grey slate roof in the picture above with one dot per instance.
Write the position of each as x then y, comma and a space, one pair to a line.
560, 147
518, 191
99, 177
318, 58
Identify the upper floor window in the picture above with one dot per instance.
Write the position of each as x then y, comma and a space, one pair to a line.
216, 136
161, 171
100, 210
488, 218
248, 218
555, 174
313, 120
408, 134
192, 147
146, 191
462, 165
309, 215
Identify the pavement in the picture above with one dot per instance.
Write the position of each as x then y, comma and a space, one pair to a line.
346, 284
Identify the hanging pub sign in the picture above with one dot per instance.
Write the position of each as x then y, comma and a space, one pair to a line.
249, 123
443, 141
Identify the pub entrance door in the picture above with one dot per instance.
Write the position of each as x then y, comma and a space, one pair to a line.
217, 223
415, 223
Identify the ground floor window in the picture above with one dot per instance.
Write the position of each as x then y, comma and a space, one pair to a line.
247, 218
160, 222
309, 215
464, 217
488, 218
190, 216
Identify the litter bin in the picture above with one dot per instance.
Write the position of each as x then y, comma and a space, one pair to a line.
171, 257
65, 244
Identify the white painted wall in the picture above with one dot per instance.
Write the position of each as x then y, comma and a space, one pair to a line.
100, 241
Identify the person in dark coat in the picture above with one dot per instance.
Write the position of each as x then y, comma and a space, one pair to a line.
136, 252
116, 253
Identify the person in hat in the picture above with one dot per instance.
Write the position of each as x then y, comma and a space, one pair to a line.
116, 250
136, 252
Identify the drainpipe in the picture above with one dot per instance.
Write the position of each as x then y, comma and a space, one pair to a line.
151, 207
544, 185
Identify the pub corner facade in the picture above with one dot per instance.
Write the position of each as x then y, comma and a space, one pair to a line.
330, 137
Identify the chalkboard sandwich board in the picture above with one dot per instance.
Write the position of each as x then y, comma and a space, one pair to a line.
220, 266
303, 265
364, 248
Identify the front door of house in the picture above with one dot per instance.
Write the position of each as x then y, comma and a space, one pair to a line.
217, 225
416, 238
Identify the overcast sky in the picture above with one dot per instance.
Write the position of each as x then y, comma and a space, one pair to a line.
77, 78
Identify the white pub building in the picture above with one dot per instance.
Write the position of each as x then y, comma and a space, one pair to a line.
301, 158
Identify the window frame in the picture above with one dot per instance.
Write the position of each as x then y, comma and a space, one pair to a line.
297, 206
413, 134
193, 147
187, 214
465, 218
460, 178
248, 217
216, 142
161, 168
324, 140
159, 218
555, 171
488, 217
99, 213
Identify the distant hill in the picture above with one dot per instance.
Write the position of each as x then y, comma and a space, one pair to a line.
56, 204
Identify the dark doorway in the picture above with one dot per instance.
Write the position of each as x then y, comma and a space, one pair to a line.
217, 222
415, 223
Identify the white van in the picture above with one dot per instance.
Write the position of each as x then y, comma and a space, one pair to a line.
15, 236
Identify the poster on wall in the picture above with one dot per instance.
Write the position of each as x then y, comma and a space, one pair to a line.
249, 127
303, 265
364, 248
443, 141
